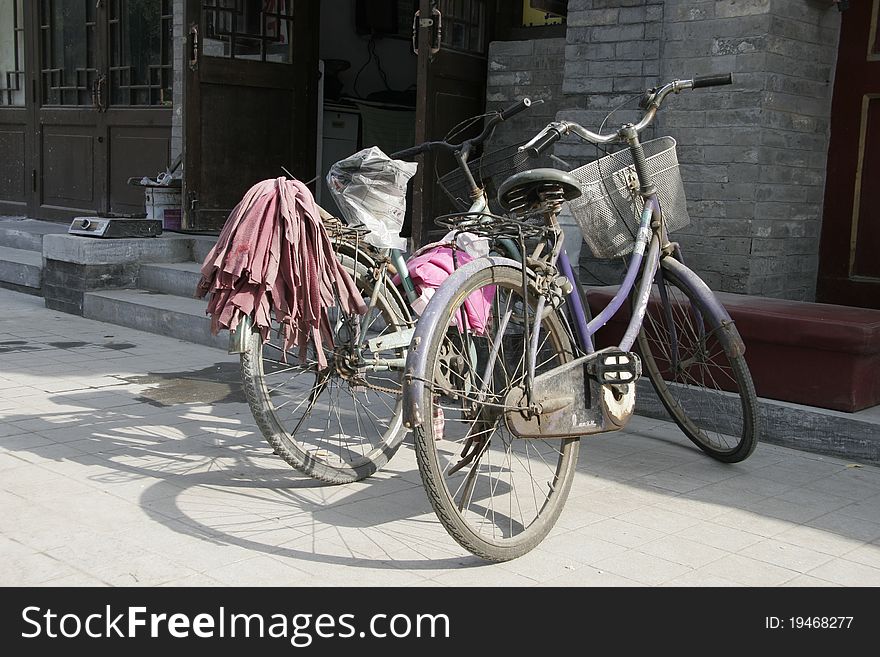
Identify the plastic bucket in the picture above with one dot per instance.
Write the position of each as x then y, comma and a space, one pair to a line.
164, 203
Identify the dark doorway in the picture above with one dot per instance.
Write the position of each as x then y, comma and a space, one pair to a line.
250, 100
849, 270
452, 87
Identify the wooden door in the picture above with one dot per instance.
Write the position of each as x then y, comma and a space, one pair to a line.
85, 103
103, 101
250, 100
452, 87
849, 268
15, 116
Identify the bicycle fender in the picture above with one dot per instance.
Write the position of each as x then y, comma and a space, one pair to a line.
720, 320
415, 371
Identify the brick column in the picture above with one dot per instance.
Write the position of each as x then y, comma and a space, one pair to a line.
752, 155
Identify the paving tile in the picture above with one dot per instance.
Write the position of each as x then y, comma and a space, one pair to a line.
670, 481
620, 532
810, 582
868, 555
593, 577
680, 550
747, 571
659, 519
487, 576
821, 540
847, 573
776, 507
579, 547
847, 483
867, 510
753, 522
641, 567
697, 578
33, 570
786, 555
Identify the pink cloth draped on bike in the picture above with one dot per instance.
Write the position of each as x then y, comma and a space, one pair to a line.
274, 258
432, 264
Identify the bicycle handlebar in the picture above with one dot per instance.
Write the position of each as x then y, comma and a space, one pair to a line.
712, 80
467, 145
651, 102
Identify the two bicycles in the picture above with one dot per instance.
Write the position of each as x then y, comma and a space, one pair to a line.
502, 375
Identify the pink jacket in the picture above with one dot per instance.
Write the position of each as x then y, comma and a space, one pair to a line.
432, 264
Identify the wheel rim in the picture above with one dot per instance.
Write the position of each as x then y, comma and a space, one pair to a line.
702, 383
343, 416
509, 492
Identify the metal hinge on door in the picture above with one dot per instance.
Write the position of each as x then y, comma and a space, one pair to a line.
419, 23
34, 180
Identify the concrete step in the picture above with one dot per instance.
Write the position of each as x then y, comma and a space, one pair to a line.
179, 279
164, 314
18, 233
21, 269
201, 245
854, 436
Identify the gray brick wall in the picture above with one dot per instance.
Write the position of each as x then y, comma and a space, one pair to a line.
752, 155
525, 69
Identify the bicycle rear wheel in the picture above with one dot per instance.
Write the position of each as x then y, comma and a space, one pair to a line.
497, 495
340, 424
700, 378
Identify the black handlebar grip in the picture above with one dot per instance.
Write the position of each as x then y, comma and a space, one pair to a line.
712, 80
513, 110
546, 142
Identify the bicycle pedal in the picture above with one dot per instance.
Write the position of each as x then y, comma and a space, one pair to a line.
615, 367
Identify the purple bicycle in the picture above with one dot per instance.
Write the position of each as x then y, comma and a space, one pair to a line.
503, 375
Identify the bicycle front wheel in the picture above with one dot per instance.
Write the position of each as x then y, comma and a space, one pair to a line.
700, 378
497, 495
342, 423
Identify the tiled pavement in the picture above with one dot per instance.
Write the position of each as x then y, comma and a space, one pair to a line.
109, 476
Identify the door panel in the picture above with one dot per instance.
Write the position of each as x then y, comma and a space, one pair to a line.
251, 100
849, 272
135, 151
68, 179
12, 170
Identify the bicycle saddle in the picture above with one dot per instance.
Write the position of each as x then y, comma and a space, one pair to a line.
530, 188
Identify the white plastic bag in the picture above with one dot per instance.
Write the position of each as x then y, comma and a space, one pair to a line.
370, 190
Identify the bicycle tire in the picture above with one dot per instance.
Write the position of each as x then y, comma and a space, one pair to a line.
708, 389
341, 456
466, 518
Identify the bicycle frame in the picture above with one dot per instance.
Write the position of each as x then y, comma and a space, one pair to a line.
647, 240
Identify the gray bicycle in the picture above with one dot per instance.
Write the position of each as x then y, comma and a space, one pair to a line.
504, 374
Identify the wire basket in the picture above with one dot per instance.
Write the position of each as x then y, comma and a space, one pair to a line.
489, 170
608, 212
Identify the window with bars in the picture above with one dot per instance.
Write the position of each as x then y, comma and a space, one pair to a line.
68, 30
249, 29
11, 53
463, 22
140, 52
